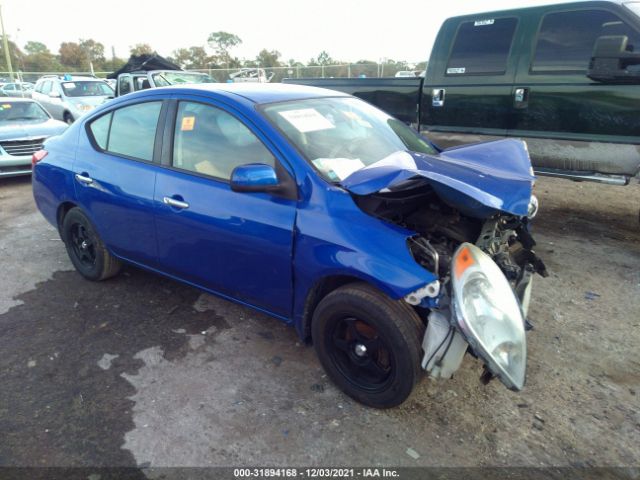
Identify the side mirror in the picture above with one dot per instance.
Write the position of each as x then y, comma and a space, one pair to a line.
254, 177
614, 61
54, 94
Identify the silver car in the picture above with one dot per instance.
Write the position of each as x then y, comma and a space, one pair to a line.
24, 126
17, 89
68, 98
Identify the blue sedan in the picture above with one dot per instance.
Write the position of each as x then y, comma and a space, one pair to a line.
388, 254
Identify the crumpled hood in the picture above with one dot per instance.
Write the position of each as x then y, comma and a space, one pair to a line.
477, 179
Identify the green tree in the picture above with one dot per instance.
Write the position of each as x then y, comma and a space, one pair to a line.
32, 48
141, 49
192, 57
268, 58
73, 56
221, 42
15, 54
325, 59
94, 51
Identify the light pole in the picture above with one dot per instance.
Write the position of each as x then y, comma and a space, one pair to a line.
6, 46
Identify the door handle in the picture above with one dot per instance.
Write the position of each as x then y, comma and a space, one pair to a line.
172, 202
437, 97
84, 178
521, 97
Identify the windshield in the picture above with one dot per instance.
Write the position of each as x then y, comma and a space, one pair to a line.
342, 135
20, 111
634, 7
87, 88
176, 77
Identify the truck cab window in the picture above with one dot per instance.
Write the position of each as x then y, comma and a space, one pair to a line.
566, 39
482, 47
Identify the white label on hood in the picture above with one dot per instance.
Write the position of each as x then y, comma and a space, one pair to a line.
307, 120
456, 70
480, 23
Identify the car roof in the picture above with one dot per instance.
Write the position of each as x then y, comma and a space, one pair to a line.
260, 92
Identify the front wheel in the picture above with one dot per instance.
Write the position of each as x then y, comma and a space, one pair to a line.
85, 249
368, 344
68, 118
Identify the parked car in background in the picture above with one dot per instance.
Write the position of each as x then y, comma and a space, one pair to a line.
149, 71
17, 89
313, 207
565, 77
67, 97
24, 126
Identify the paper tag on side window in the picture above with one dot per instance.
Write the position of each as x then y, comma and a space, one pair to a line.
188, 123
307, 120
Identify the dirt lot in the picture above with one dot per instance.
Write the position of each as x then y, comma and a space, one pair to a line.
143, 371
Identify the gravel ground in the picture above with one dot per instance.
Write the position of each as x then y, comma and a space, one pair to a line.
143, 371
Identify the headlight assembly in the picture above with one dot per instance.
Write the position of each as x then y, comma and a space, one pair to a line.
488, 314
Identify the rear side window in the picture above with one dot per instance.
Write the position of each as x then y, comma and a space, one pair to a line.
482, 47
128, 131
566, 39
46, 88
100, 130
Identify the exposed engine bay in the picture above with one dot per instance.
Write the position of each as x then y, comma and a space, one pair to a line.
442, 228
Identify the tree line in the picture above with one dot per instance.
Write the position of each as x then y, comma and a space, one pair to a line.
85, 54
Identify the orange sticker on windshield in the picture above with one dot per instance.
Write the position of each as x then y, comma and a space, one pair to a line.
188, 123
6, 105
463, 261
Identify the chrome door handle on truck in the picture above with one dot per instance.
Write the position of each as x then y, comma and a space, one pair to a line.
437, 97
521, 97
84, 178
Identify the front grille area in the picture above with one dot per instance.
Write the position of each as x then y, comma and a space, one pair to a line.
20, 148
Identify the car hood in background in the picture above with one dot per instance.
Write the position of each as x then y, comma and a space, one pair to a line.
477, 179
25, 129
91, 101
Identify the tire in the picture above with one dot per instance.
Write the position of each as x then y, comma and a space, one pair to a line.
85, 248
68, 118
369, 345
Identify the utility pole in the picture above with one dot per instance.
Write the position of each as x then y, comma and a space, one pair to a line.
5, 43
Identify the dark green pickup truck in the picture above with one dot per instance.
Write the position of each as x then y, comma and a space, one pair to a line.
566, 78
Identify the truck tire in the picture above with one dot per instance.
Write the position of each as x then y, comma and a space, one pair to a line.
85, 248
368, 344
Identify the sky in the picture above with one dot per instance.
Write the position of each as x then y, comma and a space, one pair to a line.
348, 30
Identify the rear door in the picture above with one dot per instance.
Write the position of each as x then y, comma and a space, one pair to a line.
554, 99
469, 81
115, 178
237, 244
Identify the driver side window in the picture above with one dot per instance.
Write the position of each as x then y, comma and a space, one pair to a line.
212, 142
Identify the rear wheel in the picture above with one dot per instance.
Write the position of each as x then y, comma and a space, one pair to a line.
368, 344
85, 249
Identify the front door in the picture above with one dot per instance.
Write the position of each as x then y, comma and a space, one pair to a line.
236, 244
570, 114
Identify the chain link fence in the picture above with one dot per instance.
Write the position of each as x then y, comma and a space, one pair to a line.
275, 74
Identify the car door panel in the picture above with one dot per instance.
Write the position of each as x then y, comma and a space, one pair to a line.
237, 244
588, 126
118, 192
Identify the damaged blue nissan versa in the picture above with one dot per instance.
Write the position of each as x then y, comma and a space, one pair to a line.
388, 254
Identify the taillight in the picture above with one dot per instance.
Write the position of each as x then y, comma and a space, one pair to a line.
39, 155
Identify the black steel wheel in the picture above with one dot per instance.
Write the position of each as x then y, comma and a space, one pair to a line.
368, 344
85, 249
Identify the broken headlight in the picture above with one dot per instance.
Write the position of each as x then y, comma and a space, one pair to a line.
488, 313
